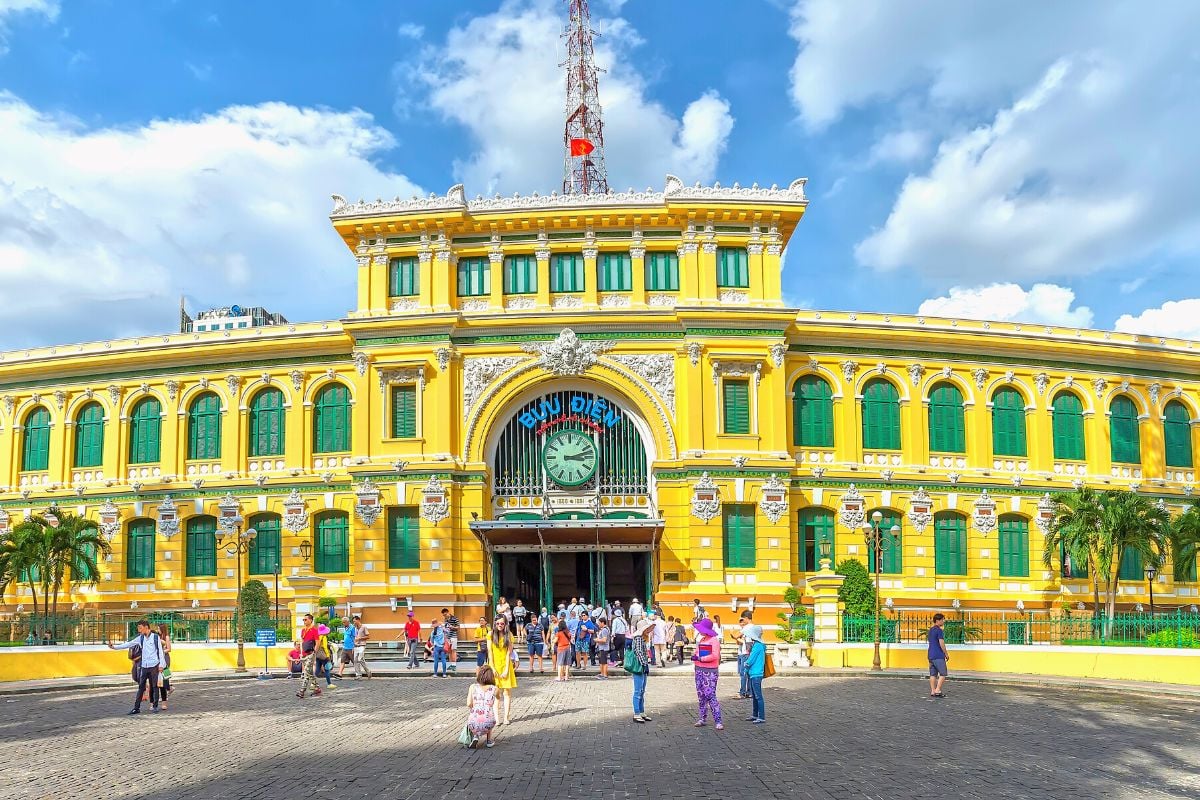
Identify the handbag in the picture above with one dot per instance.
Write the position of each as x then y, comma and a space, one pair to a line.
464, 736
631, 663
768, 666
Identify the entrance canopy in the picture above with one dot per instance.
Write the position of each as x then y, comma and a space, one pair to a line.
584, 535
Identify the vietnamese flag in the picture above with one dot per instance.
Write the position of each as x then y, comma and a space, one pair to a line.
581, 147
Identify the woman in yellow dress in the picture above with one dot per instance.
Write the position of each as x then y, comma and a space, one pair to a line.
500, 659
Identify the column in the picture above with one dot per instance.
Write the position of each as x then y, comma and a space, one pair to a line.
823, 587
1039, 440
60, 448
637, 259
706, 271
689, 286
425, 278
443, 284
1095, 433
496, 279
543, 278
772, 274
306, 589
378, 294
591, 278
756, 264
914, 440
977, 418
1150, 434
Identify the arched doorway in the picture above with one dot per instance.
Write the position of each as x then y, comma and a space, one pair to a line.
572, 501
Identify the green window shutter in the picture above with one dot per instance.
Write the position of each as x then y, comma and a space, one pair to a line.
35, 454
520, 275
267, 423
79, 567
331, 420
815, 524
947, 425
950, 544
1177, 434
736, 405
1014, 547
333, 545
1123, 429
662, 271
1131, 566
201, 546
404, 277
881, 416
145, 432
139, 549
204, 427
265, 550
1008, 423
737, 522
812, 412
404, 412
616, 272
566, 273
89, 436
1067, 425
404, 538
733, 267
893, 554
474, 277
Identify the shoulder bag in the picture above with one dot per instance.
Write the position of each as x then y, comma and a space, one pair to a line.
631, 663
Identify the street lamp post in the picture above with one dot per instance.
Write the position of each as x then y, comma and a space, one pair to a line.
1151, 573
236, 543
876, 538
276, 593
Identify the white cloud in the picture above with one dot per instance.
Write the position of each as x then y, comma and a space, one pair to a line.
498, 76
10, 8
1063, 133
200, 72
1131, 286
101, 230
410, 30
1044, 303
1180, 318
900, 147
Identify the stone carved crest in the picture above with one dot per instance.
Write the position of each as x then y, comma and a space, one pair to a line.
110, 523
852, 511
115, 392
774, 502
984, 515
60, 399
694, 349
920, 509
234, 382
980, 375
849, 368
361, 360
1155, 388
297, 379
295, 517
367, 502
568, 354
1041, 381
915, 371
657, 370
435, 501
1100, 385
778, 350
706, 499
168, 517
479, 373
172, 390
443, 355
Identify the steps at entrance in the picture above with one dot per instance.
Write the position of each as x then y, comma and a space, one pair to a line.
398, 651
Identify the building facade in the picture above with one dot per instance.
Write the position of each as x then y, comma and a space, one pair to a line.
603, 396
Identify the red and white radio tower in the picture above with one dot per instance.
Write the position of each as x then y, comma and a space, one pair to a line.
583, 135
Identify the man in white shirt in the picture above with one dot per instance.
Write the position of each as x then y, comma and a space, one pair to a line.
619, 629
147, 665
635, 612
659, 639
360, 646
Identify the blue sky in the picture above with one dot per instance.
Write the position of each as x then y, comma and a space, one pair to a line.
1030, 162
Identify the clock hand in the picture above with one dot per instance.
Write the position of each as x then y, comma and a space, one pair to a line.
576, 457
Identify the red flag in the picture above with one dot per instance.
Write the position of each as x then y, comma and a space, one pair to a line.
581, 147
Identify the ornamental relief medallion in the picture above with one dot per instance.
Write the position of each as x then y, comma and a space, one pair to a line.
657, 370
481, 372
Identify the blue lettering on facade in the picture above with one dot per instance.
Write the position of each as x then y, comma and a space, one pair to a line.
598, 409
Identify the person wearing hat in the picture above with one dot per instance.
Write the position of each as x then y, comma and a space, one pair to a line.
325, 656
756, 662
640, 645
412, 637
707, 659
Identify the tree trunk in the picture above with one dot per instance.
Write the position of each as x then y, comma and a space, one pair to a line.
1114, 580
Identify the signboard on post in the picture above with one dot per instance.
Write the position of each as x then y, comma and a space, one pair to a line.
266, 639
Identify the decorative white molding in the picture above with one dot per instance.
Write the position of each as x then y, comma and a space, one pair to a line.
228, 509
706, 499
694, 349
173, 387
473, 304
567, 354
920, 509
110, 522
737, 369
297, 379
852, 510
915, 372
479, 373
168, 518
520, 303
367, 505
405, 304
733, 296
740, 462
1154, 389
657, 370
1045, 515
443, 355
402, 375
1041, 381
774, 502
1100, 385
567, 301
849, 368
658, 300
615, 301
435, 501
295, 517
114, 393
980, 375
234, 382
984, 514
778, 351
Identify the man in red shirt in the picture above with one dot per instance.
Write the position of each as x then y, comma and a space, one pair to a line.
308, 650
412, 633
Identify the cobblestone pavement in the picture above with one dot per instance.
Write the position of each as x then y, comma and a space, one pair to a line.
395, 738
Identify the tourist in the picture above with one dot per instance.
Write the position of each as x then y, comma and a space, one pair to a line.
324, 657
437, 646
481, 635
619, 628
697, 610
679, 639
360, 647
635, 612
583, 640
544, 619
308, 646
562, 651
412, 635
481, 702
603, 642
148, 659
617, 611
295, 660
503, 609
707, 659
599, 613
659, 638
451, 624
571, 607
756, 662
573, 623
938, 655
739, 636
718, 628
349, 635
502, 658
535, 643
519, 614
639, 659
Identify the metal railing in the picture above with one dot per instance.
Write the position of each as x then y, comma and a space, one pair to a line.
63, 629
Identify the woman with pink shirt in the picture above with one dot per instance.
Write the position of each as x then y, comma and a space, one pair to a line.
707, 659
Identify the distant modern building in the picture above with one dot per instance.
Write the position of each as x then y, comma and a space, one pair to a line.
228, 318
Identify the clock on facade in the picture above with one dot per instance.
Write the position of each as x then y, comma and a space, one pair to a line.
570, 458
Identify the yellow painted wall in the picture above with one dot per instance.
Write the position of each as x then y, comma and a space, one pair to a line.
21, 663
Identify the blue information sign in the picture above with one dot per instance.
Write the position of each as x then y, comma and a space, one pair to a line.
264, 637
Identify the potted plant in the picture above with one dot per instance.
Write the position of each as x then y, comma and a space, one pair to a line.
792, 632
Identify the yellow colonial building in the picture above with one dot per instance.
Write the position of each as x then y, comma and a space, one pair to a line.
600, 395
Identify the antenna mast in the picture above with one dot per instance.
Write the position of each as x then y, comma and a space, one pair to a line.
583, 135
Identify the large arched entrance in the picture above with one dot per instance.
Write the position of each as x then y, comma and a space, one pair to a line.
571, 498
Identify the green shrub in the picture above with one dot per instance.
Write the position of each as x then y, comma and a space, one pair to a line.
793, 627
1173, 637
857, 592
255, 603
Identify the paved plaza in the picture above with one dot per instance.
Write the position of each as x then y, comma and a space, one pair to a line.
825, 738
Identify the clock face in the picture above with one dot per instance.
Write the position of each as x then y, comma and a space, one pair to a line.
570, 458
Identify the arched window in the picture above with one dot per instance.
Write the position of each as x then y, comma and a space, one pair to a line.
331, 419
89, 436
1067, 418
139, 550
812, 412
1123, 430
201, 547
1008, 423
265, 553
893, 549
333, 543
881, 415
815, 524
1177, 434
267, 423
1014, 547
947, 424
145, 432
950, 544
204, 427
35, 452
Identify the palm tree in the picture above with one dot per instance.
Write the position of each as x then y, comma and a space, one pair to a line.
74, 544
23, 560
1075, 533
1183, 540
1130, 523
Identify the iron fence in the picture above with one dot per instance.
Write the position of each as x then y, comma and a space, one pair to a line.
1170, 629
209, 627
